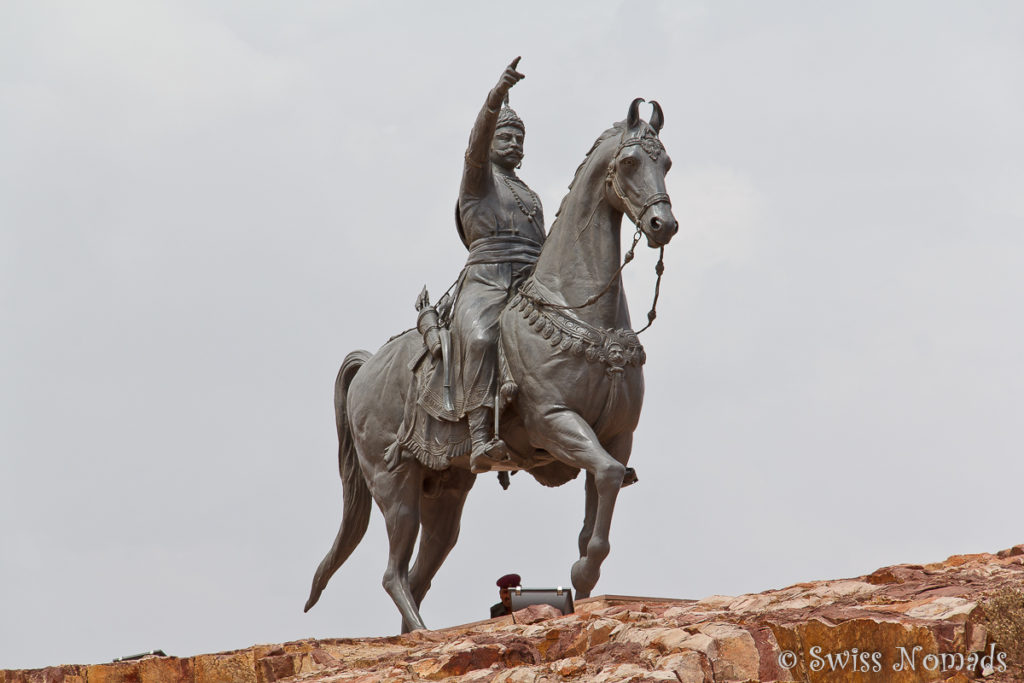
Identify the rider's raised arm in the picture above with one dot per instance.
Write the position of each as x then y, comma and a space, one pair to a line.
476, 172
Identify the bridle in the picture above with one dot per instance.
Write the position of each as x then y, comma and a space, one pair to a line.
653, 147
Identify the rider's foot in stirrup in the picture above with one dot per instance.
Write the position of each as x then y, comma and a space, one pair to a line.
486, 455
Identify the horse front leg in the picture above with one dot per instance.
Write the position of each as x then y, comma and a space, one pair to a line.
619, 448
589, 512
568, 437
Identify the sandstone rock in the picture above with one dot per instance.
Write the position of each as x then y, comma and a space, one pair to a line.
535, 613
275, 668
522, 675
977, 638
672, 639
943, 608
1011, 552
231, 666
751, 603
621, 673
736, 656
478, 676
677, 612
688, 667
324, 658
842, 589
715, 602
700, 642
467, 658
570, 666
426, 667
640, 636
596, 633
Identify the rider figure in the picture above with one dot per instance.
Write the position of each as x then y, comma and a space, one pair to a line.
502, 224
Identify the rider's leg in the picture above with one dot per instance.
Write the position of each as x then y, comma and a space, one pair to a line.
487, 447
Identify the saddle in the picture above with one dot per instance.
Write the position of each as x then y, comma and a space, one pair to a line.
432, 430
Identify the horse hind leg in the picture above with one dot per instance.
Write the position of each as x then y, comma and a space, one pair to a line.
440, 519
398, 495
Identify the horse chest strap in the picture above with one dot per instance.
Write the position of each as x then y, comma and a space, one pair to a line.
616, 349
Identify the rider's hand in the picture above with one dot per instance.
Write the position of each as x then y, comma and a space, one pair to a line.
508, 78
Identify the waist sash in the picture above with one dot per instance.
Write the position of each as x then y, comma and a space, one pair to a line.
503, 249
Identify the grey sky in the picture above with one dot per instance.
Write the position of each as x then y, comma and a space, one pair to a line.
192, 196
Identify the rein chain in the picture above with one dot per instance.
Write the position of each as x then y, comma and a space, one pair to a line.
651, 315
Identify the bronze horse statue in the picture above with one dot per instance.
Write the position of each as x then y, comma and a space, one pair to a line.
571, 356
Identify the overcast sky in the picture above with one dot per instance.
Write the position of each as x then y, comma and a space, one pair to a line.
205, 206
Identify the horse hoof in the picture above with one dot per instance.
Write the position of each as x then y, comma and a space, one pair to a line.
629, 478
584, 577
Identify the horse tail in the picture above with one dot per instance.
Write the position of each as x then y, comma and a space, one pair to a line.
356, 514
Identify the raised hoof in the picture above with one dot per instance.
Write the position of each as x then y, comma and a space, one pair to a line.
629, 478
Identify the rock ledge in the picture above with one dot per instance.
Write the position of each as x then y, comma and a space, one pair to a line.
898, 624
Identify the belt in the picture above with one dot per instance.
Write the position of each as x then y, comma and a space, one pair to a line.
503, 249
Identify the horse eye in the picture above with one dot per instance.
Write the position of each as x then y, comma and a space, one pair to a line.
629, 161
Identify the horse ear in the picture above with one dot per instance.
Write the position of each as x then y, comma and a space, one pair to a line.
658, 117
633, 117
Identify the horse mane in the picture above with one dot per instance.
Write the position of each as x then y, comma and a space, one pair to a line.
616, 129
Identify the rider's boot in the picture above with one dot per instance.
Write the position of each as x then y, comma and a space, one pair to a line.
488, 449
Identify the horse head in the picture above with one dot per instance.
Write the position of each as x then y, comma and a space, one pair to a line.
636, 176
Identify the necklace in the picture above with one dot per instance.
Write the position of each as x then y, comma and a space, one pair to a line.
530, 214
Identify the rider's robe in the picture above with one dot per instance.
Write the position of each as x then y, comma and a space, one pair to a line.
502, 223
497, 265
503, 248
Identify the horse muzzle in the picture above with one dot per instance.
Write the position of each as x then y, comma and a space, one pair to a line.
659, 225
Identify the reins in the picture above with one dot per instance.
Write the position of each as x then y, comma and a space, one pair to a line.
659, 269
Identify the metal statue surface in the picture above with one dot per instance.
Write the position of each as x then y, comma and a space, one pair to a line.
533, 365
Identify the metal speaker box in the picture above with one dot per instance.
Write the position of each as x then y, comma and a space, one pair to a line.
559, 598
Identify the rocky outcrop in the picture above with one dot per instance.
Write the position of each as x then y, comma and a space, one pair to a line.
958, 620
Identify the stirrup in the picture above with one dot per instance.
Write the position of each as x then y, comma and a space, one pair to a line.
486, 455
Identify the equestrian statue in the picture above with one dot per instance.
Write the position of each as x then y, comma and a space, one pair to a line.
529, 362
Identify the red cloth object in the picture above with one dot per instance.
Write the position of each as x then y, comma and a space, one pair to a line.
509, 581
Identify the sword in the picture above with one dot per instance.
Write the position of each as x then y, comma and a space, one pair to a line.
446, 354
